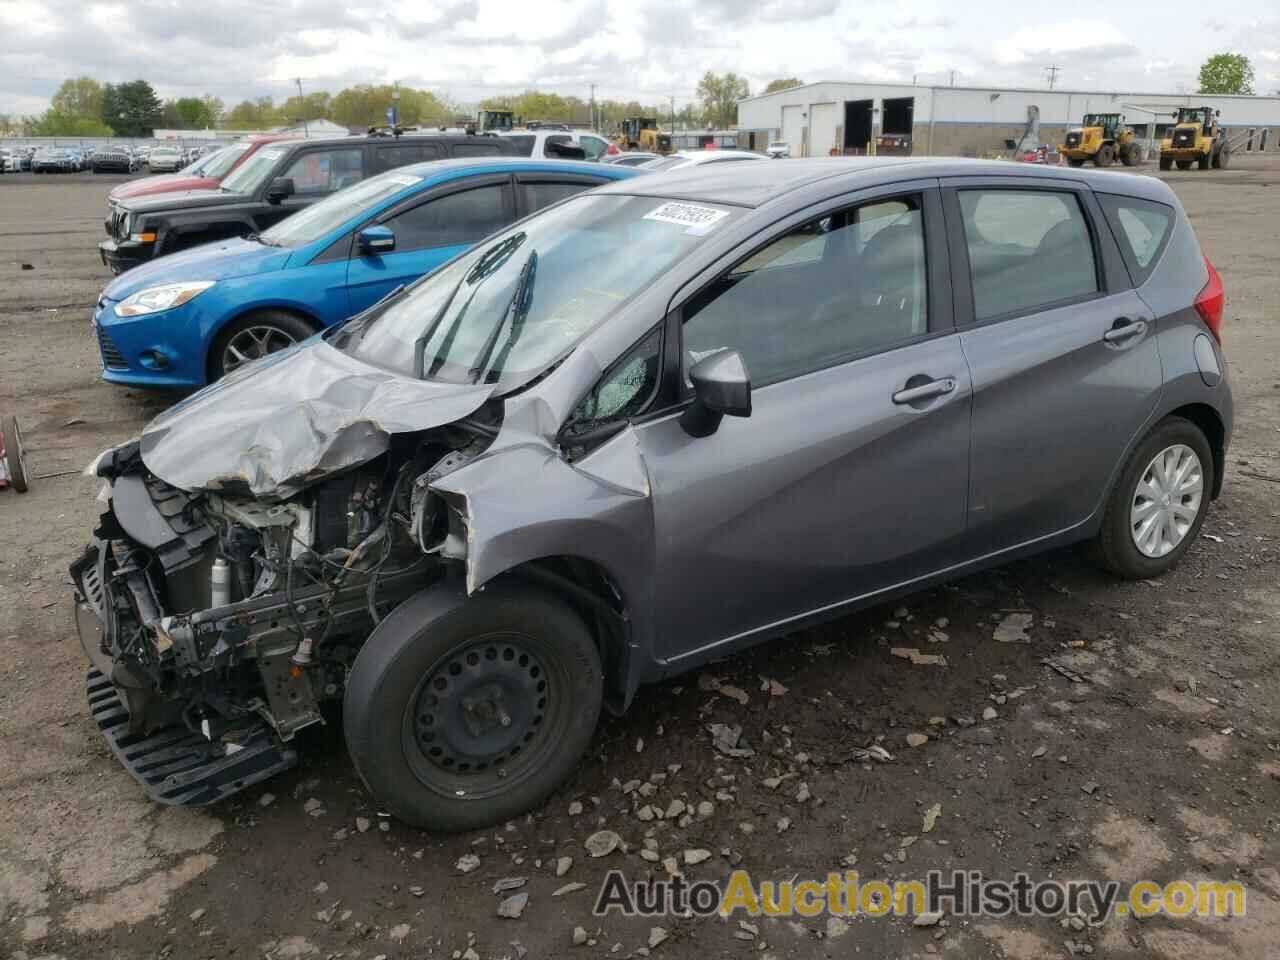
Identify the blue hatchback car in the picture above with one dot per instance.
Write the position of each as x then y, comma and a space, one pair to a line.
186, 319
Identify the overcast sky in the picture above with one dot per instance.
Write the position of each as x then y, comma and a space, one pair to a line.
645, 49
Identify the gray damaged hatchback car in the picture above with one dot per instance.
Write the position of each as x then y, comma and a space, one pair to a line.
646, 427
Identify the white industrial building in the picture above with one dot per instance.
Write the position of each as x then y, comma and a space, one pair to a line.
821, 119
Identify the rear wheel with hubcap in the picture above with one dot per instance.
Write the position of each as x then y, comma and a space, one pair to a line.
253, 337
466, 715
1159, 503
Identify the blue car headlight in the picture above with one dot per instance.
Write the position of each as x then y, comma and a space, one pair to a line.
164, 297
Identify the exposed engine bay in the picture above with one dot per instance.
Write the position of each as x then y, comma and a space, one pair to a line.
219, 623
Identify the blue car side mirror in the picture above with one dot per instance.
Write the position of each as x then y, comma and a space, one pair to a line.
375, 240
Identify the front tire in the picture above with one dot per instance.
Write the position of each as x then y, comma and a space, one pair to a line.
1106, 153
1159, 503
253, 337
1166, 163
463, 712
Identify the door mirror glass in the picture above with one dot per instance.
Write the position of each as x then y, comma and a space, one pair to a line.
376, 239
280, 188
721, 387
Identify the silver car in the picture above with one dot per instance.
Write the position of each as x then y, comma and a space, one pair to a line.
644, 428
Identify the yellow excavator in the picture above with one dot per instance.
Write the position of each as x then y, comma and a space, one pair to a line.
642, 133
1195, 138
1102, 138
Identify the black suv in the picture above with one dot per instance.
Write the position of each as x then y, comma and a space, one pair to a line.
278, 180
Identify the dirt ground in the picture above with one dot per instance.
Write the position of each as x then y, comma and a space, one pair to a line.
1174, 723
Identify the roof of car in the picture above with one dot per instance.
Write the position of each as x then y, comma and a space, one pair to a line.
438, 168
754, 184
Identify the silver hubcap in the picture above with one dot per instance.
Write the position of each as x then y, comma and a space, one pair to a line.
254, 343
1167, 500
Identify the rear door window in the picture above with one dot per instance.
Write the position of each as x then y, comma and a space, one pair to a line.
538, 194
1028, 249
401, 154
1142, 228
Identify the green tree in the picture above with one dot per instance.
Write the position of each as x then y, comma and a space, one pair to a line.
720, 96
313, 106
365, 105
193, 112
55, 124
78, 97
213, 108
1226, 73
260, 114
783, 83
131, 109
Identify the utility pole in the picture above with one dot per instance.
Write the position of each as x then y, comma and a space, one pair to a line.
1052, 71
953, 78
302, 105
673, 114
593, 106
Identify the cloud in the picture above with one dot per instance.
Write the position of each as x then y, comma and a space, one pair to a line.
630, 49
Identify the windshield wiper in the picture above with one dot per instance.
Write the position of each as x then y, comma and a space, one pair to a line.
522, 311
516, 309
420, 345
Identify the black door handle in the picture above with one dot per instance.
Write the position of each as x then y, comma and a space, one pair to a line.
934, 388
1124, 329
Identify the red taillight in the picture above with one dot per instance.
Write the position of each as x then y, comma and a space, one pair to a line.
1210, 302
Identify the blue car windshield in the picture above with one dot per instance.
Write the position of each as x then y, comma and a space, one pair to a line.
314, 222
507, 310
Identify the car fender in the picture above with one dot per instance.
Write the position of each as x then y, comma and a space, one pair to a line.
522, 500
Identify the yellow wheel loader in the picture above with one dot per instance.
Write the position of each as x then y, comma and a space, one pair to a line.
1102, 138
1195, 138
642, 133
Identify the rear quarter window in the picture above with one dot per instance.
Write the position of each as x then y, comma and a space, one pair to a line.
1142, 229
523, 144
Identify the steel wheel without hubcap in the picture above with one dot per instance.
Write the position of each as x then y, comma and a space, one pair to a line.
1166, 501
475, 726
253, 343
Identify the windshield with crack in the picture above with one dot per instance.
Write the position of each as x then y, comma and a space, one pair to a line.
507, 310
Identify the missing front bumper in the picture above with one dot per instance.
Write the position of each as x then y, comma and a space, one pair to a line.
179, 767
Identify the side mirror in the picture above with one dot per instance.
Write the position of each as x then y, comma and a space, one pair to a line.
375, 240
280, 188
721, 387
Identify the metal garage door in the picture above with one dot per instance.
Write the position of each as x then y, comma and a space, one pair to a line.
822, 129
793, 128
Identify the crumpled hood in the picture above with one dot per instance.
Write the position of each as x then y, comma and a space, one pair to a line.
276, 426
220, 260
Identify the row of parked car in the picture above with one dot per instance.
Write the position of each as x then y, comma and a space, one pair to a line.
113, 158
497, 439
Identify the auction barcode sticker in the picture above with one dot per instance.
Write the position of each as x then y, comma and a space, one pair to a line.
697, 218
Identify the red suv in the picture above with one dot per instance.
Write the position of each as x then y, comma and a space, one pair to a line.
205, 174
